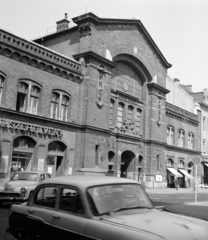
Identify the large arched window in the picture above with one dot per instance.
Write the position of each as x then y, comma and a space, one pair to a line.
120, 114
1, 87
126, 79
60, 105
28, 97
181, 164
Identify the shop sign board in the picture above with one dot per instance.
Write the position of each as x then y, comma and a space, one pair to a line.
4, 163
27, 127
158, 178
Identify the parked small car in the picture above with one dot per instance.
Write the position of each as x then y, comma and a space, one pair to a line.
92, 207
21, 185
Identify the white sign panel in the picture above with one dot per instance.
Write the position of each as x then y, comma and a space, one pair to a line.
4, 163
69, 171
158, 178
40, 164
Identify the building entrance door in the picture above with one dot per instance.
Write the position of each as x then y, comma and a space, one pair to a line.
127, 164
54, 164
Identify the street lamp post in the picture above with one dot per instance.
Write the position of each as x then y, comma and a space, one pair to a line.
195, 183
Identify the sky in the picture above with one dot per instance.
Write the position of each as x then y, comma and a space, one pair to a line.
178, 27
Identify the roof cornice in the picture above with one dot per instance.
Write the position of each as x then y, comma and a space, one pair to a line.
38, 56
90, 17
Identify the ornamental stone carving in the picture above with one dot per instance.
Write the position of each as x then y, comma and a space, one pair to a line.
128, 128
100, 87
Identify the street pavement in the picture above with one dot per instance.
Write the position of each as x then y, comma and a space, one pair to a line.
194, 209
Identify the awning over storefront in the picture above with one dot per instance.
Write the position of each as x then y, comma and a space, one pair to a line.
185, 173
174, 172
206, 164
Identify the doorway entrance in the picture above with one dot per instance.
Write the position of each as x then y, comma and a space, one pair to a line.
55, 158
127, 165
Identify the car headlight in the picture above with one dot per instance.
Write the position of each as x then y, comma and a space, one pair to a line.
23, 191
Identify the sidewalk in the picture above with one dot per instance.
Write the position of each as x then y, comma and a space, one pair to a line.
173, 190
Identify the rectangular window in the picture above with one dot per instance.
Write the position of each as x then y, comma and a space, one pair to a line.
170, 135
129, 113
120, 115
138, 119
111, 113
204, 123
1, 87
70, 201
54, 105
181, 136
64, 108
204, 146
34, 97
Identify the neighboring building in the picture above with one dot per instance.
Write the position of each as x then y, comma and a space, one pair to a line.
39, 105
183, 134
202, 99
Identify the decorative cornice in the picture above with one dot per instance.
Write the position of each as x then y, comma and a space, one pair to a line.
40, 57
153, 85
92, 18
90, 54
181, 114
119, 93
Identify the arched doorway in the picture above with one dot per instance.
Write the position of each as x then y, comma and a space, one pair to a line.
170, 176
111, 156
55, 158
191, 172
23, 148
127, 164
140, 163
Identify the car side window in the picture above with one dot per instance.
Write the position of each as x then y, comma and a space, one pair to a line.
46, 197
70, 201
47, 176
42, 177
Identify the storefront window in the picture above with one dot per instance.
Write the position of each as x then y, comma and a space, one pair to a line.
56, 146
24, 142
20, 161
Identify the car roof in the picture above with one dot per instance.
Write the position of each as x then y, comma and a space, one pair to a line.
31, 172
87, 181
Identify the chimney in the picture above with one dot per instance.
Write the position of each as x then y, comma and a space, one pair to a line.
62, 24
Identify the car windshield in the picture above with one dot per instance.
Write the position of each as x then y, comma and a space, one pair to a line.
25, 176
112, 198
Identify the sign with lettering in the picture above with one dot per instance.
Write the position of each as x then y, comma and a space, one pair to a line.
27, 127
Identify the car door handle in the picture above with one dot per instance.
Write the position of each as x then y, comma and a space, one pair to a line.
30, 210
55, 216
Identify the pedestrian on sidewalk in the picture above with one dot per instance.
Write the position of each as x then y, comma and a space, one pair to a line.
176, 183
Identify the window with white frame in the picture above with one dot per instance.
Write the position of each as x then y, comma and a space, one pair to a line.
60, 105
181, 138
204, 123
170, 135
111, 112
130, 113
181, 164
138, 119
1, 87
120, 114
191, 141
170, 162
28, 97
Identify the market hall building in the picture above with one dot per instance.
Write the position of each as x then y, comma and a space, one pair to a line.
90, 99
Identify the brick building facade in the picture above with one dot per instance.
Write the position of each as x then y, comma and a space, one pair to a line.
98, 103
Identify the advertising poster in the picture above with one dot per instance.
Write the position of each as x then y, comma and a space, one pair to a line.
4, 163
40, 164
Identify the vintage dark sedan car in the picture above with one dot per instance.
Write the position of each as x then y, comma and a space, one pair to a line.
21, 185
91, 207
